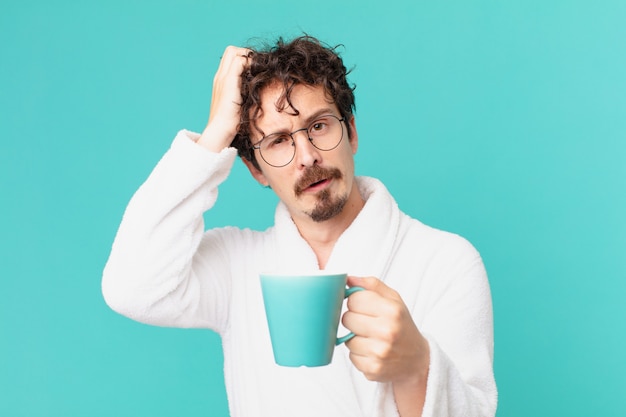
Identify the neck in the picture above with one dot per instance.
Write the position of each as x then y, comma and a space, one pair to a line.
321, 236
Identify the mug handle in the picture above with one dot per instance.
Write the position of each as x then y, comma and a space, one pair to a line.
349, 292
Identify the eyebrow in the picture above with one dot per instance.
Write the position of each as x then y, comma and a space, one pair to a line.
321, 112
309, 119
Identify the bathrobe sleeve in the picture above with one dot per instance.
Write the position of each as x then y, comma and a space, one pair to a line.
459, 329
153, 274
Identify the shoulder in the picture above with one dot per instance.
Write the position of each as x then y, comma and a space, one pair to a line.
440, 256
438, 265
435, 239
232, 236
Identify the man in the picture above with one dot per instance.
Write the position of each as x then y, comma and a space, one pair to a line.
423, 325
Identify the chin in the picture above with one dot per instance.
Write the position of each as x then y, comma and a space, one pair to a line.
327, 207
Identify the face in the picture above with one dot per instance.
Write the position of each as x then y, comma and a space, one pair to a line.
316, 185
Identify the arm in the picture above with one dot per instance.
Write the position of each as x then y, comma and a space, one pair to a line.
389, 347
152, 272
459, 328
452, 375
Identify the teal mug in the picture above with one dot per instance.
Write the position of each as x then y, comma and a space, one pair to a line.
303, 312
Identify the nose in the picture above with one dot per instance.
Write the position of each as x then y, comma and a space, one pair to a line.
306, 154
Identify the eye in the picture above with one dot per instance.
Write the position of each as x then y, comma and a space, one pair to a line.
318, 126
274, 141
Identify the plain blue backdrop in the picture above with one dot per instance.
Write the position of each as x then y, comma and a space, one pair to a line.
504, 122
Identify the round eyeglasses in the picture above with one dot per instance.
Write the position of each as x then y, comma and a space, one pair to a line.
279, 149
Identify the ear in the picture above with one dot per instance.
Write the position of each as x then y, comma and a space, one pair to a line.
354, 136
256, 173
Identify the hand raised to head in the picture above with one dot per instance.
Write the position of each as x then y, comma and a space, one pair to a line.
225, 100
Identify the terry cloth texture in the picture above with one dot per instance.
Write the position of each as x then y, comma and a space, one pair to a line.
166, 270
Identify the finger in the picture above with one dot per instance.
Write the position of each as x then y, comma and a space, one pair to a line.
374, 327
234, 51
358, 346
372, 284
369, 347
365, 302
359, 361
377, 313
226, 58
233, 56
371, 368
357, 323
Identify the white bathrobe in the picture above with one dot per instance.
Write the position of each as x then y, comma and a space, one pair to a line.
165, 269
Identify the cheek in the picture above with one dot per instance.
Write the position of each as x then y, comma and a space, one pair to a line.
349, 145
279, 183
347, 155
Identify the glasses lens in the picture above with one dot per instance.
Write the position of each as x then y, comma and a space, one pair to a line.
326, 132
277, 149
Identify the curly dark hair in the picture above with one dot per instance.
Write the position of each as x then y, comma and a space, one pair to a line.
303, 60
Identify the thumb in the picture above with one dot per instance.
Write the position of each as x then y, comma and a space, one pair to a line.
372, 284
369, 283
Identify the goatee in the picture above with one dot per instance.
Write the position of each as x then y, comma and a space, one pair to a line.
326, 206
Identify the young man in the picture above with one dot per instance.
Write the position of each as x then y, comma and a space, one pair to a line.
423, 325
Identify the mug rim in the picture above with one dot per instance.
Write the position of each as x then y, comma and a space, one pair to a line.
302, 274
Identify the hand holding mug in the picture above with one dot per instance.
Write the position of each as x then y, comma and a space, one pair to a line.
388, 346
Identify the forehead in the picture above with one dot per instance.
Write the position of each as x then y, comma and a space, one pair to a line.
278, 113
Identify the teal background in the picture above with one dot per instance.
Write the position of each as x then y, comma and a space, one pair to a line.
502, 121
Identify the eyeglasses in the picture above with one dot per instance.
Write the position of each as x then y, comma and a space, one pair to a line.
279, 149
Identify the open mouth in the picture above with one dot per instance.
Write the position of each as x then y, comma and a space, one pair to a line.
316, 178
313, 185
317, 185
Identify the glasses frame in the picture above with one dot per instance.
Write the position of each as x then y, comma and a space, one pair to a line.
293, 141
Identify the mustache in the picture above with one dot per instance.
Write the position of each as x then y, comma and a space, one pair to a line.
315, 174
